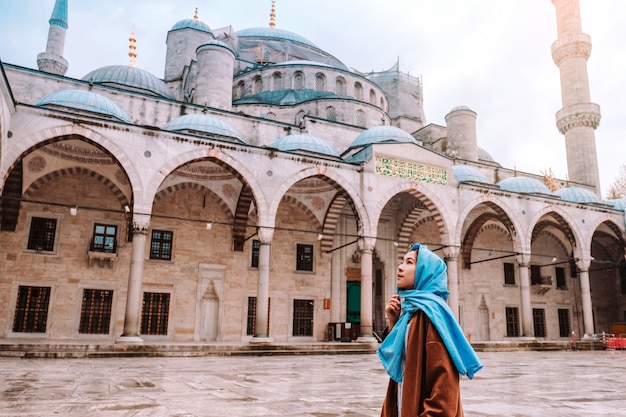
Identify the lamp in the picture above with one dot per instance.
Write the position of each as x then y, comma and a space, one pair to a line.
553, 259
73, 210
320, 236
126, 209
209, 225
395, 244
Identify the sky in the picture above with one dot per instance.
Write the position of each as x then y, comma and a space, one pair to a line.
493, 56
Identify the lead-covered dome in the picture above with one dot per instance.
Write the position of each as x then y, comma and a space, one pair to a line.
274, 33
203, 124
303, 142
618, 204
467, 173
86, 101
127, 76
524, 185
192, 24
383, 134
577, 195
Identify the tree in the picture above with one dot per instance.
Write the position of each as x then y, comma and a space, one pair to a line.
618, 189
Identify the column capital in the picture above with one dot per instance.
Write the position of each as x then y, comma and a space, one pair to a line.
265, 234
451, 253
367, 244
141, 223
583, 264
523, 259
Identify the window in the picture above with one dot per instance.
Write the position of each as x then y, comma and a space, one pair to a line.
303, 317
360, 118
258, 84
535, 275
95, 312
278, 81
509, 273
254, 261
539, 322
331, 114
320, 82
372, 97
42, 234
31, 309
564, 325
561, 284
340, 87
512, 322
251, 324
358, 91
241, 89
161, 245
104, 238
270, 115
154, 313
304, 257
298, 81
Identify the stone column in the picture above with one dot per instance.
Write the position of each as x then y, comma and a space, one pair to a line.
335, 287
528, 329
263, 287
366, 245
585, 295
451, 255
141, 223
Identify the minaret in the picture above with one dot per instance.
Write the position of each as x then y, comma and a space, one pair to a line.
578, 118
52, 60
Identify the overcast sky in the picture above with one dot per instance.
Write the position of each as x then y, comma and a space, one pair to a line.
491, 55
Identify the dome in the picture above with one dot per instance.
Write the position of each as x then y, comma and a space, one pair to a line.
577, 195
202, 123
618, 204
383, 134
126, 75
483, 155
87, 101
274, 33
192, 24
469, 173
524, 185
302, 142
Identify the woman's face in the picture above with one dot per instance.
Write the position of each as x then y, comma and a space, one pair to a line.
406, 271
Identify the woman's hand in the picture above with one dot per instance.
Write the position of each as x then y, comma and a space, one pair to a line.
393, 310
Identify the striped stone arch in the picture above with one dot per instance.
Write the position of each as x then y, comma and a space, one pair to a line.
194, 186
41, 181
410, 222
423, 203
312, 218
332, 219
241, 219
558, 222
548, 234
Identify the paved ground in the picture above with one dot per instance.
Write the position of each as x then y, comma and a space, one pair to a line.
511, 384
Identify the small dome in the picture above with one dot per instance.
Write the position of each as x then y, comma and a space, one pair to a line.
577, 195
469, 173
483, 155
524, 185
217, 42
302, 142
203, 123
87, 101
459, 108
192, 24
126, 75
383, 134
618, 204
274, 33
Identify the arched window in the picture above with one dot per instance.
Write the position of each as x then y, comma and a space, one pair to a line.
300, 118
358, 91
340, 86
258, 84
372, 97
320, 82
298, 80
382, 104
278, 81
241, 89
270, 116
360, 118
331, 114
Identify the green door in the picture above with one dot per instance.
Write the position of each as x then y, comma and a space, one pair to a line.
353, 314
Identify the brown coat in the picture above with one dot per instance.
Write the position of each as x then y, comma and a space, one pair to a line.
431, 385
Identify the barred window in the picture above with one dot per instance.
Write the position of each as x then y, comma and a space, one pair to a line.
512, 322
258, 84
270, 115
539, 322
320, 82
298, 81
304, 257
31, 309
241, 89
340, 87
278, 81
42, 234
360, 118
251, 322
161, 245
256, 246
95, 312
303, 317
331, 114
155, 313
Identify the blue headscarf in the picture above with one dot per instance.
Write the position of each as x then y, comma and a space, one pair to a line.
429, 295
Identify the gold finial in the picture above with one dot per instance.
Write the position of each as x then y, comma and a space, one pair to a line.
273, 14
195, 15
131, 53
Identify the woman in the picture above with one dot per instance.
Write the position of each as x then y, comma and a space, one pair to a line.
425, 351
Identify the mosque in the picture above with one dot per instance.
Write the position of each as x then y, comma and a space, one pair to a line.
261, 190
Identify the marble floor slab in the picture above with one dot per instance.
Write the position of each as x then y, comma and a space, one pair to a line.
511, 384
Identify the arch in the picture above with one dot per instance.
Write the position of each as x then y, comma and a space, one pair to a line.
340, 86
240, 90
237, 168
569, 228
331, 113
333, 178
277, 80
359, 118
257, 84
372, 97
320, 82
358, 91
193, 186
298, 80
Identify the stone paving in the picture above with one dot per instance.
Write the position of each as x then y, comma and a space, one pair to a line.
581, 383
